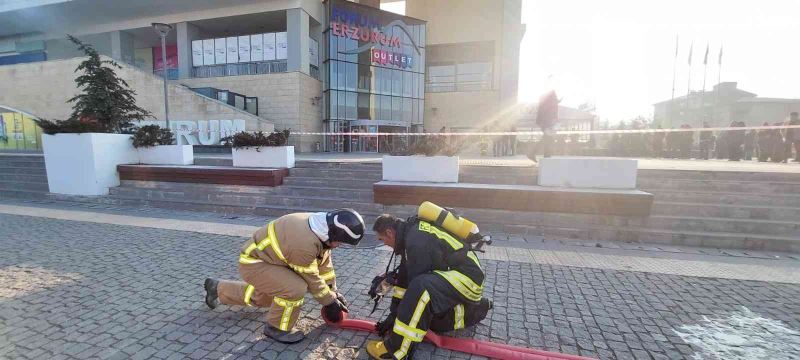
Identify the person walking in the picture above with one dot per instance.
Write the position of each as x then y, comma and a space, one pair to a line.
658, 144
792, 138
777, 146
764, 139
750, 144
706, 142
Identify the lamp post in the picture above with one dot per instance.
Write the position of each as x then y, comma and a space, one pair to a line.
162, 30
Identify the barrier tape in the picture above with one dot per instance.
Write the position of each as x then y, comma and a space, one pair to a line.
536, 132
469, 346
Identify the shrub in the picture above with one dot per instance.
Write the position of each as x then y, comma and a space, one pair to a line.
152, 135
257, 139
71, 126
431, 145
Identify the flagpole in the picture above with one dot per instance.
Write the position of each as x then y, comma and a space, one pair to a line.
689, 82
674, 62
703, 94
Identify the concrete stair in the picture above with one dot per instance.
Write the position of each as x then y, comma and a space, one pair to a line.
22, 176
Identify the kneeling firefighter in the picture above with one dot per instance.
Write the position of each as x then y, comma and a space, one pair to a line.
438, 284
284, 260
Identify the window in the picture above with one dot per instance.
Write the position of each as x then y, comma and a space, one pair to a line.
397, 82
407, 91
441, 78
460, 67
364, 107
352, 106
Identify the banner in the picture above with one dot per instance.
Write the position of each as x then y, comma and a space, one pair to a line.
269, 47
281, 46
244, 48
219, 51
197, 52
257, 47
233, 50
172, 58
208, 52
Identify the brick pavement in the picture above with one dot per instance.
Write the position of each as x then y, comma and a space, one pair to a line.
81, 290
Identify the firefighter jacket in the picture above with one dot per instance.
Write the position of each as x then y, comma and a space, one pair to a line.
289, 241
426, 248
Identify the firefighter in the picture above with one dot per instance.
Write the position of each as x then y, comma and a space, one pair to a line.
439, 286
284, 260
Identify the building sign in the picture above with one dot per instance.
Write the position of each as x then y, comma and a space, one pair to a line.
385, 49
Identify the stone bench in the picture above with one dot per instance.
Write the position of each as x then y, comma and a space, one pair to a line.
225, 175
517, 197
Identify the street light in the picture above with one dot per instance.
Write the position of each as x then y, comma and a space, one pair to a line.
162, 30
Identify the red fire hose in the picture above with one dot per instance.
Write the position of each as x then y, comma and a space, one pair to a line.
470, 346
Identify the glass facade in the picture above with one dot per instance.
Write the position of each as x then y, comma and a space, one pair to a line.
374, 76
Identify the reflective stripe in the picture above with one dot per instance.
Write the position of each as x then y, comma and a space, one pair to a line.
463, 284
474, 258
288, 306
459, 317
404, 330
398, 292
322, 293
271, 241
328, 276
248, 293
442, 235
421, 305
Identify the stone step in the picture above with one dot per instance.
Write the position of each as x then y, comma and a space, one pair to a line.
334, 183
719, 175
364, 195
23, 185
244, 199
22, 170
713, 224
13, 162
22, 194
719, 185
725, 240
776, 213
335, 173
40, 179
711, 197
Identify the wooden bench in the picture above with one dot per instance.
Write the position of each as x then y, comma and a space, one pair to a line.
516, 197
226, 175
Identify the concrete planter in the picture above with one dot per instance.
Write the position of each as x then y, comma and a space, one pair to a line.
86, 164
588, 173
166, 155
438, 169
264, 157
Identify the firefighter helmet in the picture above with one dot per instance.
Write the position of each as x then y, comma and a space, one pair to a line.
345, 225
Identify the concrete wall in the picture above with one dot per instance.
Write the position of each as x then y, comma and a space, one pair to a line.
43, 88
285, 99
470, 109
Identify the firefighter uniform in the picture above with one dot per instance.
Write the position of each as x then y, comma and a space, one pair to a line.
440, 286
279, 265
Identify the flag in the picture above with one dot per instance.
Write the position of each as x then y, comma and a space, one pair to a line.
691, 48
720, 55
705, 59
676, 46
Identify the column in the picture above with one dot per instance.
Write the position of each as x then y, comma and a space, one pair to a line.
122, 46
297, 36
186, 33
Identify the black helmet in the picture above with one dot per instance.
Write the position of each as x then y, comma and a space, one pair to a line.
345, 225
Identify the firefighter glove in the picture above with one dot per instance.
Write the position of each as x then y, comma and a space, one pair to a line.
333, 311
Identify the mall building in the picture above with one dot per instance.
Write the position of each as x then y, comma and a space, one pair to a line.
308, 65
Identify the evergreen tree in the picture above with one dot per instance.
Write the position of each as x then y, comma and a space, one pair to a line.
105, 98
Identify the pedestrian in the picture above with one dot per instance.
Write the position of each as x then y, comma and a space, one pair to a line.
764, 139
685, 142
496, 145
735, 142
282, 262
792, 138
750, 144
721, 146
778, 147
439, 285
658, 143
512, 141
706, 142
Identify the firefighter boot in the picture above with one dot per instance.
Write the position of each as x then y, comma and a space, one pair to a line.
377, 350
285, 337
212, 299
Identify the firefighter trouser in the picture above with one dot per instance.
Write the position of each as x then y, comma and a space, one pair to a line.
430, 302
276, 287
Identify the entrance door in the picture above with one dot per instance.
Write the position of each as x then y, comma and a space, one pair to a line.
364, 143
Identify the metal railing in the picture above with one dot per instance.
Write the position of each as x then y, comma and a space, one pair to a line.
240, 69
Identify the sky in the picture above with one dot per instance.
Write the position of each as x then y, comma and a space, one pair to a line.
619, 54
